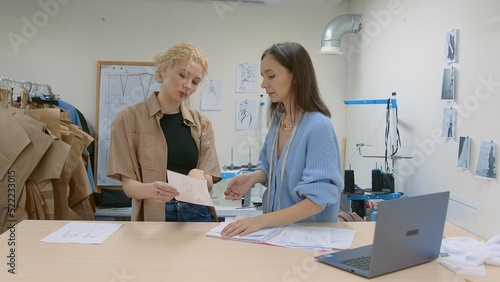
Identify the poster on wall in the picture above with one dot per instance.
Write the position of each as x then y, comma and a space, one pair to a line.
211, 96
486, 160
450, 53
448, 89
246, 114
247, 75
463, 152
449, 118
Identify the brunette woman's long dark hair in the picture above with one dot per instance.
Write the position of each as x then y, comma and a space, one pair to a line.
304, 88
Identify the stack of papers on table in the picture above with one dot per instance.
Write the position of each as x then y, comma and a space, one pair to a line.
296, 236
313, 238
260, 236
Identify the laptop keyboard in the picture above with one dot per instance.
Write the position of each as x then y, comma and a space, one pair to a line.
362, 262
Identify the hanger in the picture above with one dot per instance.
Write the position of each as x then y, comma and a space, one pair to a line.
36, 92
41, 89
6, 83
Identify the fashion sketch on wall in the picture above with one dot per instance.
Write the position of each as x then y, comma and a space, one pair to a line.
211, 97
246, 114
450, 54
247, 77
486, 160
449, 122
463, 152
448, 89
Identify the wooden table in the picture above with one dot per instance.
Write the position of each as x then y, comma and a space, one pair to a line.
153, 251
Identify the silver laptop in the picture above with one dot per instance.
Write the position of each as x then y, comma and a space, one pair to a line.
408, 232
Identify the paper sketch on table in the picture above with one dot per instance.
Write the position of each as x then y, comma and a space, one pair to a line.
246, 114
211, 97
191, 190
449, 122
247, 77
486, 160
82, 233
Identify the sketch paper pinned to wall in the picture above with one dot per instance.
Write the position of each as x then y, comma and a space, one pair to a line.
448, 89
119, 86
247, 77
486, 160
450, 53
211, 97
82, 233
246, 114
449, 122
463, 152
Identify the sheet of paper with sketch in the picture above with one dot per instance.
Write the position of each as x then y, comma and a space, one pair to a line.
191, 190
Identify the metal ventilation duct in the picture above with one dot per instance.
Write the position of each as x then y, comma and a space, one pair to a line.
336, 28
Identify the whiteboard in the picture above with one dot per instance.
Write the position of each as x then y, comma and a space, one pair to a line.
119, 85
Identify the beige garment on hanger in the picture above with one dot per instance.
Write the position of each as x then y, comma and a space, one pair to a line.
25, 97
5, 98
33, 146
50, 116
46, 175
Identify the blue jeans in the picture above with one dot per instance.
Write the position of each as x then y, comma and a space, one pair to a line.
180, 211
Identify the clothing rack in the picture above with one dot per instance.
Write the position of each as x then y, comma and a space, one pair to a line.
33, 88
10, 83
35, 91
52, 168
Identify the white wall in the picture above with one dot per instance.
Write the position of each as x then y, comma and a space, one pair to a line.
64, 49
402, 53
402, 50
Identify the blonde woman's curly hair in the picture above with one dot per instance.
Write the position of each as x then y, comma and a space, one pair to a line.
178, 53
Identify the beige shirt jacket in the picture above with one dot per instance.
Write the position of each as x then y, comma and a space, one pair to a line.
138, 150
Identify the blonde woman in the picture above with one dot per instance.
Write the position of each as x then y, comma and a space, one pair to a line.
163, 133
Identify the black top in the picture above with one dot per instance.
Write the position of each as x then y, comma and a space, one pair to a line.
181, 148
